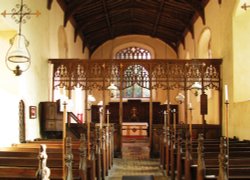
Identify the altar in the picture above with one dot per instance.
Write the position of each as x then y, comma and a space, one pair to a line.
134, 129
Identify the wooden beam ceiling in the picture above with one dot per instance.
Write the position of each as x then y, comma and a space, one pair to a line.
97, 21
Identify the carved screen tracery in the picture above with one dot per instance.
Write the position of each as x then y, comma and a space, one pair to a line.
97, 74
173, 74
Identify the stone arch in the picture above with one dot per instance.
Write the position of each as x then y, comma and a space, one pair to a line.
204, 44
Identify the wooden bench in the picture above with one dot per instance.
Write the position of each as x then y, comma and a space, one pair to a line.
23, 163
179, 157
24, 156
30, 173
239, 165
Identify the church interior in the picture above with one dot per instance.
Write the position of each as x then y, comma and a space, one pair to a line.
124, 89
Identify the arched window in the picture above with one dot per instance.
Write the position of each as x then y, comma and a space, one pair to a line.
135, 89
133, 53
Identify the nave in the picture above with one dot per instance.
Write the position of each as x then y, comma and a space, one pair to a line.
204, 159
44, 157
92, 153
188, 159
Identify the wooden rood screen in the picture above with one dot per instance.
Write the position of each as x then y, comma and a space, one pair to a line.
150, 74
165, 74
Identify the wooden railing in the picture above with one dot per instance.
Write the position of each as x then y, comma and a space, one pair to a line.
74, 117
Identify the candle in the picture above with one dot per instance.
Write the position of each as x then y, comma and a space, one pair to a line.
101, 117
226, 93
165, 118
190, 106
108, 113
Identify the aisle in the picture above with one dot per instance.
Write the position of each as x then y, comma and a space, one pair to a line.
124, 167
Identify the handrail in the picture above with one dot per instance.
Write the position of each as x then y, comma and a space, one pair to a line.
74, 117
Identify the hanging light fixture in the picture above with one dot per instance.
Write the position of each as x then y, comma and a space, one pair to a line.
91, 98
112, 88
18, 56
180, 98
196, 86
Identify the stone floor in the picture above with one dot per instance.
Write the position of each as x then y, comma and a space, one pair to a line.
127, 167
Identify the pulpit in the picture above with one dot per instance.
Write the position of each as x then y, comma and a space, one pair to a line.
134, 129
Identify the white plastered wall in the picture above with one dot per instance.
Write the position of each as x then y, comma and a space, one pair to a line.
34, 85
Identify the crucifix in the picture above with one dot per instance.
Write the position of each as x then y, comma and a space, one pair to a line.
21, 13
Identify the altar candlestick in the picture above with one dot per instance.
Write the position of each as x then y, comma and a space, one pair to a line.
165, 118
64, 137
174, 117
101, 118
108, 113
227, 119
190, 123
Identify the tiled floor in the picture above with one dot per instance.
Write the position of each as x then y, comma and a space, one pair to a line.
123, 167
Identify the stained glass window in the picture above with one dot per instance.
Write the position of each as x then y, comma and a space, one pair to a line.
133, 53
135, 77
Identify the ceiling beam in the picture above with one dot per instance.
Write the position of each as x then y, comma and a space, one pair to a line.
49, 3
197, 6
74, 24
107, 18
74, 6
158, 17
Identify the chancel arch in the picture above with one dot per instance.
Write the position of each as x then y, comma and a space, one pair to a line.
169, 83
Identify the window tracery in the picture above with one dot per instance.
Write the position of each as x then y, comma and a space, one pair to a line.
135, 89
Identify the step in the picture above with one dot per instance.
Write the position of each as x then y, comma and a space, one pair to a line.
133, 148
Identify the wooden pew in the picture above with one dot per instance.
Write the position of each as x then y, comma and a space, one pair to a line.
27, 168
239, 165
25, 161
11, 172
27, 152
189, 158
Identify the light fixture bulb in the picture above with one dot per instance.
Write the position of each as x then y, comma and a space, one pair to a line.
112, 87
91, 98
180, 98
196, 85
